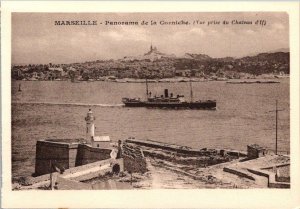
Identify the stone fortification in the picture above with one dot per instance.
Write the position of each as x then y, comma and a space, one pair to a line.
87, 154
50, 152
255, 151
66, 154
134, 160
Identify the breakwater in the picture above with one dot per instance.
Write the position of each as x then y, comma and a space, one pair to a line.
185, 149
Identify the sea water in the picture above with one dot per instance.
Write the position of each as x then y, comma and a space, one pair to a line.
56, 109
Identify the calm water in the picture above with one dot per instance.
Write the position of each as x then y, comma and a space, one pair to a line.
242, 116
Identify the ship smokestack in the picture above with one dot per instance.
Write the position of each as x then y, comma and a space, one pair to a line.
166, 93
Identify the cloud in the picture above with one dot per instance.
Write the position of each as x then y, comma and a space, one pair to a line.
191, 34
126, 33
197, 31
228, 31
36, 39
114, 35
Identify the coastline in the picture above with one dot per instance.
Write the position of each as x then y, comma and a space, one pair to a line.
258, 79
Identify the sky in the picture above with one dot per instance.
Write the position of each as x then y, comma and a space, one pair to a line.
37, 40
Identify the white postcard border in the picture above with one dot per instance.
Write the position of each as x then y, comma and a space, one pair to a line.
202, 198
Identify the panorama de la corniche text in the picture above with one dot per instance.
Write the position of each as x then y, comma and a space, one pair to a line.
95, 22
151, 22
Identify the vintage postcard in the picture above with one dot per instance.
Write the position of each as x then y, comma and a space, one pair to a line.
146, 103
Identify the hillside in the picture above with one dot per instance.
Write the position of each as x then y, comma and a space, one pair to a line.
197, 56
155, 64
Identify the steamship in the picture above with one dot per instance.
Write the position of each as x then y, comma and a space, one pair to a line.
169, 101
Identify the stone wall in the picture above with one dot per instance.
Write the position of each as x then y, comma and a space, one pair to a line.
183, 149
134, 160
85, 176
238, 173
65, 155
87, 171
272, 182
72, 157
254, 151
55, 153
200, 161
286, 179
87, 154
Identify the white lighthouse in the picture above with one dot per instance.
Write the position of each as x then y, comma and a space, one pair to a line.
90, 126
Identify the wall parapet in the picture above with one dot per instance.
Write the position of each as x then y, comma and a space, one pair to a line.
44, 179
272, 183
65, 154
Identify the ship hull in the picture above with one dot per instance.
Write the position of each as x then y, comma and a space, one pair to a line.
134, 104
210, 105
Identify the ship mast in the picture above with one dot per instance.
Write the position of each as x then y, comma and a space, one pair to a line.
191, 89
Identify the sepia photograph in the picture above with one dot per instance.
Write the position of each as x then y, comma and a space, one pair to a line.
142, 101
161, 104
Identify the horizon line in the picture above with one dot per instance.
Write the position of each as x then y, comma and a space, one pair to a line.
176, 56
